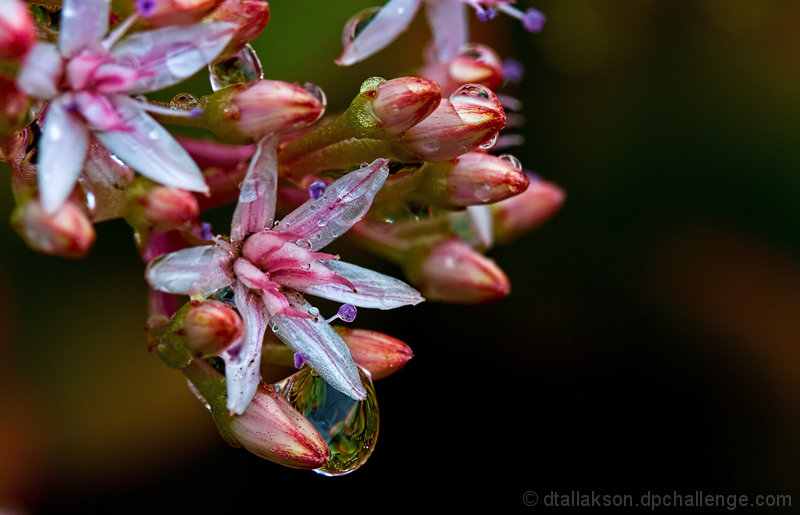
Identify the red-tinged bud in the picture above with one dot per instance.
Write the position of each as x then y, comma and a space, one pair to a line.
469, 119
175, 12
474, 178
272, 429
380, 354
454, 272
13, 106
402, 103
210, 327
16, 30
160, 208
67, 232
476, 63
250, 17
516, 216
245, 112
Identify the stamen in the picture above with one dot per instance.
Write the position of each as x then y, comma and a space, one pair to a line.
513, 70
120, 31
316, 189
532, 19
146, 7
347, 313
300, 359
168, 111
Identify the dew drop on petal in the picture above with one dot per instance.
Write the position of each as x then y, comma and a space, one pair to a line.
516, 163
349, 427
470, 91
244, 66
483, 192
314, 312
315, 91
357, 23
491, 143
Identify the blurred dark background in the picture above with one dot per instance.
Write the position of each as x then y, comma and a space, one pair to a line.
651, 340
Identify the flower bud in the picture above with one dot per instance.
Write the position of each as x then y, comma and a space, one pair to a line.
174, 12
67, 232
453, 272
249, 16
474, 178
402, 103
13, 106
16, 30
477, 64
380, 354
244, 112
272, 429
515, 216
471, 117
160, 208
210, 327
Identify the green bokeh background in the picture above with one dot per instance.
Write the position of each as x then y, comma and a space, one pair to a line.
651, 340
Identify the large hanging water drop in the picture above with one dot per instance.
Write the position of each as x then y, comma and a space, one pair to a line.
241, 67
357, 23
349, 427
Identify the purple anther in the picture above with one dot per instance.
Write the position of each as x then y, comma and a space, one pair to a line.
146, 7
316, 189
485, 14
300, 359
533, 20
195, 112
205, 232
513, 70
347, 312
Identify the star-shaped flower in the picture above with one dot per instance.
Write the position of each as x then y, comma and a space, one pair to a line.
370, 31
269, 267
88, 81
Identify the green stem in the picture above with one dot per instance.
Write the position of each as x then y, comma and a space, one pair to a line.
211, 385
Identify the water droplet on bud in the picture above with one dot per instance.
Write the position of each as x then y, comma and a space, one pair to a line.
315, 91
357, 23
480, 53
491, 143
241, 67
513, 160
475, 91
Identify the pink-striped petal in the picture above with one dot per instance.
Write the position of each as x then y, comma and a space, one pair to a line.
149, 149
372, 289
344, 203
193, 271
83, 25
449, 24
61, 153
167, 56
256, 208
328, 354
40, 75
317, 273
392, 20
243, 360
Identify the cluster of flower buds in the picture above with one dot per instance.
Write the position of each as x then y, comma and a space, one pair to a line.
407, 171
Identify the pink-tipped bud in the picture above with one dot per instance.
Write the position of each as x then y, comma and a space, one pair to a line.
454, 272
402, 103
16, 30
380, 354
13, 106
249, 16
516, 216
211, 327
474, 178
469, 119
67, 232
174, 12
161, 208
272, 429
247, 112
478, 64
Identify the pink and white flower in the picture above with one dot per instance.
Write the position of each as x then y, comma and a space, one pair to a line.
89, 81
269, 267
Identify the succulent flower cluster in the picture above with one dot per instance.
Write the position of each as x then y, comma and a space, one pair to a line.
406, 171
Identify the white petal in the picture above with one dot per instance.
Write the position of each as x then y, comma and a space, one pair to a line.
193, 271
243, 362
450, 27
42, 69
61, 153
256, 207
327, 352
169, 55
392, 20
83, 25
480, 219
344, 203
149, 149
373, 289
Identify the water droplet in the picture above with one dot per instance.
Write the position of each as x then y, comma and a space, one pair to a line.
483, 193
303, 243
491, 143
480, 53
314, 312
430, 144
184, 102
227, 296
153, 134
357, 23
513, 160
242, 67
315, 91
306, 267
349, 427
471, 91
274, 327
322, 222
